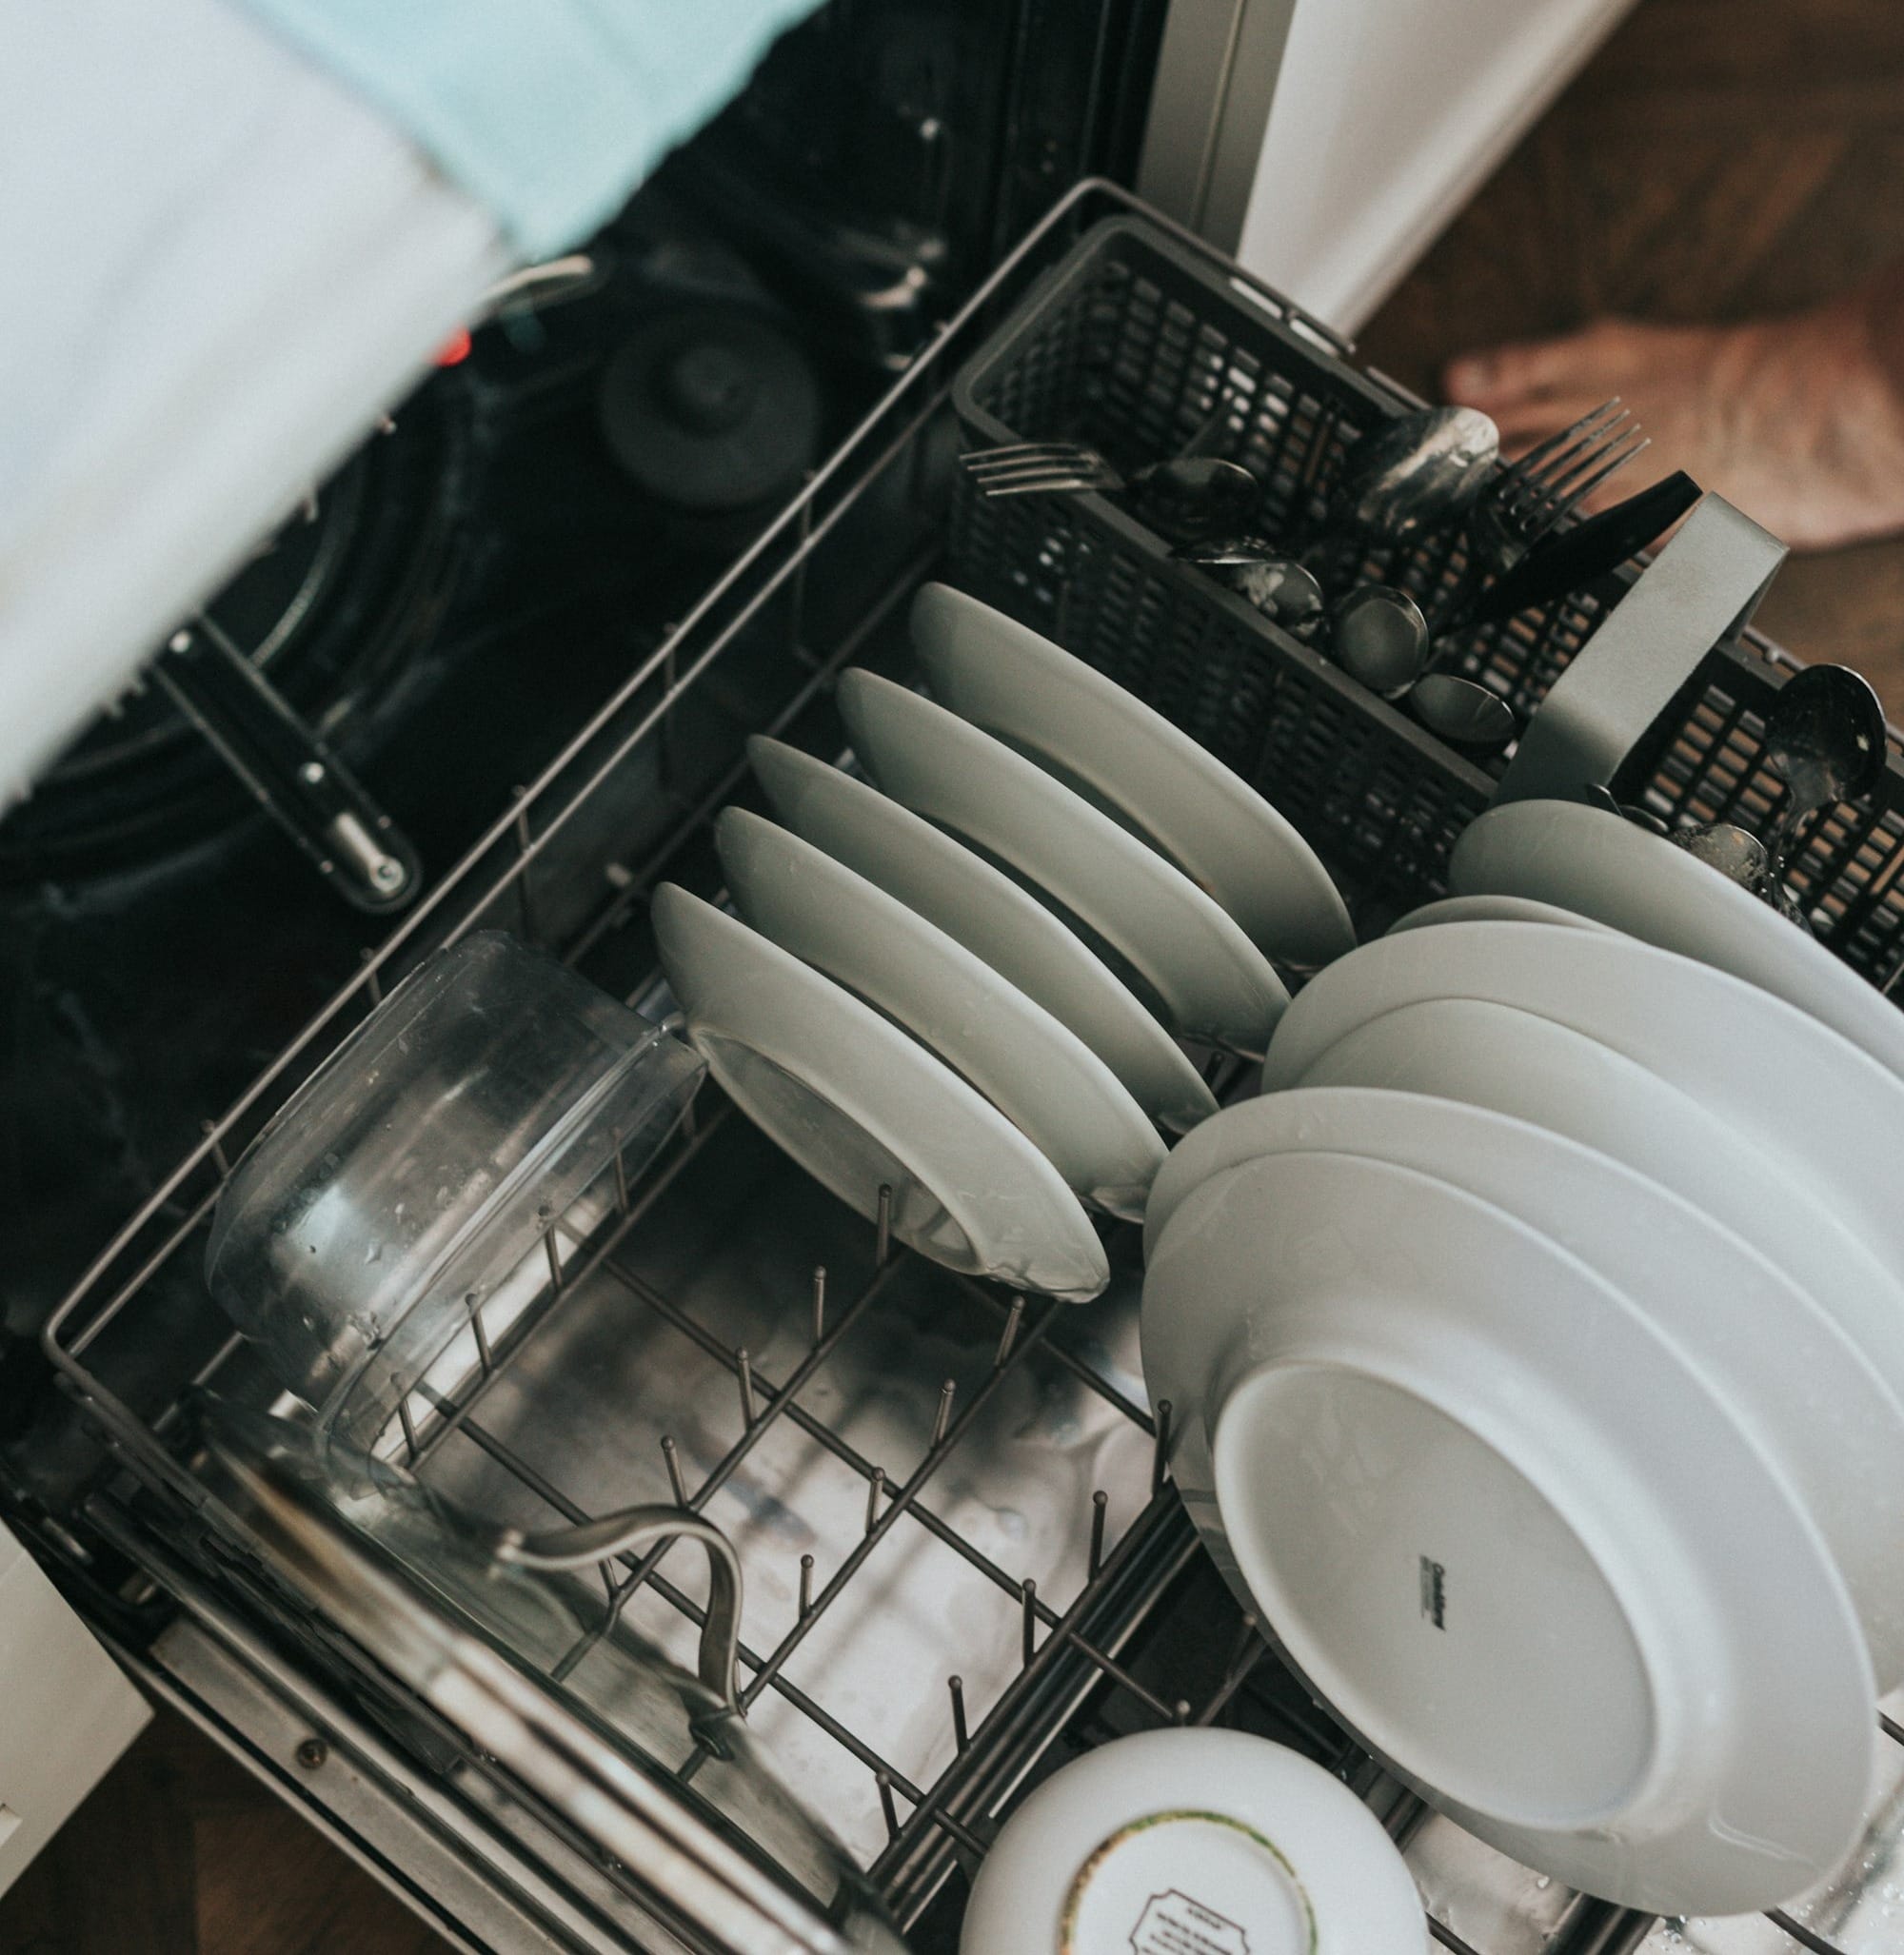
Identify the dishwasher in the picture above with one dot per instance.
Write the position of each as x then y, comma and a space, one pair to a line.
964, 1559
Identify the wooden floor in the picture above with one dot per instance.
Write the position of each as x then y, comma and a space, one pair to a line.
181, 1851
1719, 157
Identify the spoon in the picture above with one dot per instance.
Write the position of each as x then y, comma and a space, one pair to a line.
1824, 737
1380, 638
1461, 712
1277, 585
1195, 495
1736, 854
1601, 797
1414, 473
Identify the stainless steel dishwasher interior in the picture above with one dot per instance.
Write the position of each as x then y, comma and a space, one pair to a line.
962, 1555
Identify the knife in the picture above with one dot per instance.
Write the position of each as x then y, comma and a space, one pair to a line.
1577, 556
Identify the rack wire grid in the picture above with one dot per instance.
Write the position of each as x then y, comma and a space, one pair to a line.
136, 1335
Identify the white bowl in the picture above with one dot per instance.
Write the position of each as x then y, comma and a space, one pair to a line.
1192, 1839
1494, 1518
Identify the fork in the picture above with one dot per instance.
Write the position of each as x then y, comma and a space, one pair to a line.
1186, 496
1549, 483
1026, 469
1532, 496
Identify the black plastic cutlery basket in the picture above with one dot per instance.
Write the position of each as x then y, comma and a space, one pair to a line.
1140, 344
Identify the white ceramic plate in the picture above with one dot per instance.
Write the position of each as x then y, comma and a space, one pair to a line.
1587, 859
991, 916
1825, 1110
1002, 676
1491, 909
1772, 1351
858, 1104
1213, 981
1046, 1080
1193, 1841
1491, 1056
1510, 1534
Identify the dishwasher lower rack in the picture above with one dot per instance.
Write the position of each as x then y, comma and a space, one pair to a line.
963, 1558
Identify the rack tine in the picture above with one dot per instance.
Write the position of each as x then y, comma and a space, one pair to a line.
1180, 1712
1099, 1502
407, 1420
1028, 1598
219, 1160
884, 1780
883, 1228
554, 1255
671, 1453
876, 1485
1008, 1336
942, 1418
1159, 1456
805, 1587
1243, 1652
961, 1736
744, 1365
620, 1177
818, 1304
485, 1356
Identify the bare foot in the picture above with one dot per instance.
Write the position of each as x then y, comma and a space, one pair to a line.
1798, 421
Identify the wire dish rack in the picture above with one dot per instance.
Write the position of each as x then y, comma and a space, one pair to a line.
964, 1556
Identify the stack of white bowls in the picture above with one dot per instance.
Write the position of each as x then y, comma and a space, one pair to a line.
1536, 1345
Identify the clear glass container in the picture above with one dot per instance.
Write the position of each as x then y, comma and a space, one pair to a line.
424, 1161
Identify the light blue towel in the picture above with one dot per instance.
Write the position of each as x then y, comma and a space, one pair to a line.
546, 111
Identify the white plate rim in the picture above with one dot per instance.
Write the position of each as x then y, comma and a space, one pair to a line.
1728, 1037
1622, 875
684, 925
1084, 1121
1100, 1009
1213, 979
1681, 1144
1492, 906
1518, 1166
1012, 681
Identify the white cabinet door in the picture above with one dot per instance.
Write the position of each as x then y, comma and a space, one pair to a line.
66, 1710
1382, 117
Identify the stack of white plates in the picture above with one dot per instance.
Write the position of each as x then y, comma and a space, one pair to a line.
995, 1047
1535, 1347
